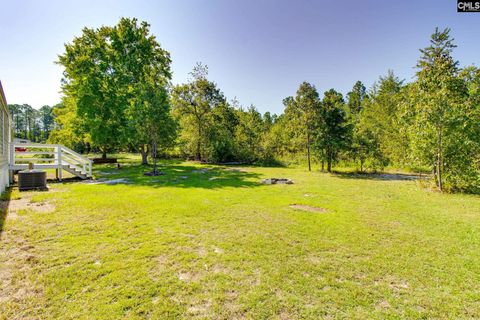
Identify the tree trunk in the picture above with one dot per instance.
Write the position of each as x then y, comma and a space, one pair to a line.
439, 161
323, 164
361, 164
104, 153
329, 160
199, 155
144, 154
308, 151
439, 173
154, 156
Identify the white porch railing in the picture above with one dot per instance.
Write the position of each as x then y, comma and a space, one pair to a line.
48, 156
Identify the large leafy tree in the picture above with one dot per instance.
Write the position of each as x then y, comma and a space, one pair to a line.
152, 122
470, 179
379, 136
304, 115
145, 69
361, 142
248, 135
90, 83
287, 136
193, 103
278, 141
441, 114
334, 132
220, 144
69, 129
105, 69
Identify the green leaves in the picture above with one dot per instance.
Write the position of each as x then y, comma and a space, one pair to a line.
116, 95
29, 123
442, 109
110, 73
193, 105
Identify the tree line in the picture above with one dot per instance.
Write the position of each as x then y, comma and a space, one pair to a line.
31, 124
118, 95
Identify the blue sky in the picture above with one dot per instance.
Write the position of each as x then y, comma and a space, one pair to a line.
257, 50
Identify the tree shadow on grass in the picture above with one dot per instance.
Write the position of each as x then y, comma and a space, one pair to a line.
4, 202
180, 176
378, 176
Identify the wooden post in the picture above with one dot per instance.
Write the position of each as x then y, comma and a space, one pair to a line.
59, 156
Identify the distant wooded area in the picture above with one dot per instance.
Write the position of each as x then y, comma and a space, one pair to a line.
32, 124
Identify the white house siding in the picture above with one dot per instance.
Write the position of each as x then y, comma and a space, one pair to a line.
6, 134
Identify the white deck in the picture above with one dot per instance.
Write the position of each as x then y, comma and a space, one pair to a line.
49, 156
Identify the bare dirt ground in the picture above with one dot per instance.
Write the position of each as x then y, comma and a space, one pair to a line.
14, 206
308, 208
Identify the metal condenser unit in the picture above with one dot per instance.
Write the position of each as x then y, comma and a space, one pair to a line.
32, 179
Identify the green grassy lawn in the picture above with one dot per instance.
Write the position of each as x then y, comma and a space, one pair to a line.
217, 244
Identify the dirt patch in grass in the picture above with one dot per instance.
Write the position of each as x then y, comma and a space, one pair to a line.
308, 208
218, 250
398, 285
187, 276
162, 261
14, 206
383, 305
200, 309
108, 182
220, 269
202, 252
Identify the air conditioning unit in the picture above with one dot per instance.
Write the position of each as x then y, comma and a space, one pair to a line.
32, 179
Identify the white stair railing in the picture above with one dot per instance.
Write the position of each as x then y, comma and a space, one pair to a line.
45, 156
